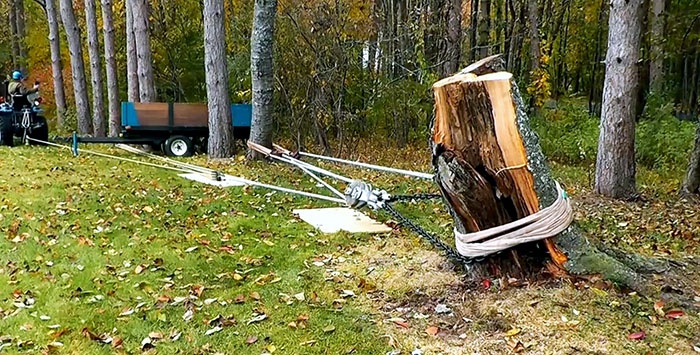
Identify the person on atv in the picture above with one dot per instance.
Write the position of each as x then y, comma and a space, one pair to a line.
16, 86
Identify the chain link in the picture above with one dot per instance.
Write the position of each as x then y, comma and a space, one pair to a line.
414, 197
451, 253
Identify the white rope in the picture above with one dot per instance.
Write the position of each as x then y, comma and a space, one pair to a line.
544, 224
370, 166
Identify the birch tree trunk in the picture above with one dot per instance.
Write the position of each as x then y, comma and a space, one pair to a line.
77, 67
491, 171
132, 75
21, 35
691, 184
12, 19
142, 38
220, 143
98, 109
111, 66
615, 164
261, 42
56, 62
658, 23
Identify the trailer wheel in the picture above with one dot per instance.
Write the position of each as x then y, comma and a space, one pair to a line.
6, 134
179, 146
40, 131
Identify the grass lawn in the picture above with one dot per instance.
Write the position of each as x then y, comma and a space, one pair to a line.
99, 256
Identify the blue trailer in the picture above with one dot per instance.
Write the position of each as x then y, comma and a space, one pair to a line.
175, 128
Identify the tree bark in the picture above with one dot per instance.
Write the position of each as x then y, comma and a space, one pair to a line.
484, 28
454, 37
491, 170
132, 75
220, 143
98, 109
111, 66
142, 38
261, 42
56, 62
615, 164
12, 19
77, 67
21, 34
534, 35
658, 23
691, 184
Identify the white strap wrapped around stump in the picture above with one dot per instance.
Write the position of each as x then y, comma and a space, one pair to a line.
544, 224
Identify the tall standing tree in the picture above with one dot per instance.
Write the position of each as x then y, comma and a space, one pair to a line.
658, 24
220, 144
691, 184
132, 75
142, 38
75, 49
12, 19
111, 66
615, 164
454, 36
484, 28
533, 15
261, 41
56, 61
98, 109
21, 34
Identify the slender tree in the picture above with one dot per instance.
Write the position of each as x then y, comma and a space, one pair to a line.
12, 20
56, 62
261, 41
484, 28
691, 184
21, 34
142, 38
220, 143
111, 66
658, 23
77, 66
98, 109
132, 75
534, 34
615, 164
454, 36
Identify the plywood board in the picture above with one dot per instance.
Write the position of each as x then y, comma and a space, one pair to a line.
333, 220
225, 182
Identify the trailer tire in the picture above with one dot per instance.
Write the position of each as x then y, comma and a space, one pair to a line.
40, 132
178, 146
6, 131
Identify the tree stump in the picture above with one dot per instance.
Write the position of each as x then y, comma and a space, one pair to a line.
491, 171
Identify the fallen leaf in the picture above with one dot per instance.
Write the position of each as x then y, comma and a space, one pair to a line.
163, 299
139, 269
254, 295
300, 296
513, 332
400, 322
251, 339
599, 292
329, 329
126, 312
155, 335
197, 290
637, 336
213, 330
659, 308
117, 343
147, 344
191, 249
308, 343
674, 314
257, 318
188, 315
432, 330
239, 299
486, 283
209, 301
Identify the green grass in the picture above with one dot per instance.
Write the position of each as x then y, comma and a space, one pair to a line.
81, 227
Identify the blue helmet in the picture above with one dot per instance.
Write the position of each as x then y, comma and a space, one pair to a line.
16, 75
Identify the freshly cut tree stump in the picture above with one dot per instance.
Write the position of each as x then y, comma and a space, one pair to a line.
491, 171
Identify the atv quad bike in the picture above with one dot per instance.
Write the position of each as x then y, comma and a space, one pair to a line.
21, 116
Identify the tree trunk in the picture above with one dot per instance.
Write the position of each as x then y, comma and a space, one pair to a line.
56, 62
691, 184
132, 75
474, 31
111, 66
484, 28
12, 19
534, 35
220, 143
615, 164
142, 38
454, 36
98, 107
21, 35
658, 23
491, 171
261, 41
77, 67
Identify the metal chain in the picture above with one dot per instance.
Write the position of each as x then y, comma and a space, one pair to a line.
451, 253
414, 197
